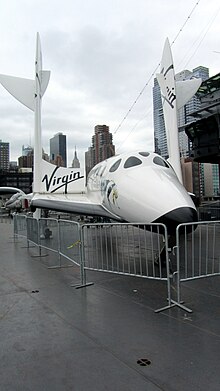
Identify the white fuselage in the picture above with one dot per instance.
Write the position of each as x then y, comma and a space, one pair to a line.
143, 187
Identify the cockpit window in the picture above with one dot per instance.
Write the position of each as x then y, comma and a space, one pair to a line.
160, 162
145, 154
115, 166
132, 161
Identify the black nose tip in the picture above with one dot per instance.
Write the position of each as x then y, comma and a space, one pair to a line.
178, 216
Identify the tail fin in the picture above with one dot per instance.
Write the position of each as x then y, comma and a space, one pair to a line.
61, 179
185, 91
175, 95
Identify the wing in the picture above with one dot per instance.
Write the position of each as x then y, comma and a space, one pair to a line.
71, 203
21, 89
10, 190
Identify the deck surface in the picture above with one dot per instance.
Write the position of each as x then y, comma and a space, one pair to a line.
55, 337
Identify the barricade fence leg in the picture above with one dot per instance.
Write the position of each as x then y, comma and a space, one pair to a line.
176, 253
82, 263
15, 226
36, 238
170, 277
59, 243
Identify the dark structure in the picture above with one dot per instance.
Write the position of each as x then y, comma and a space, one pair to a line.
21, 180
204, 132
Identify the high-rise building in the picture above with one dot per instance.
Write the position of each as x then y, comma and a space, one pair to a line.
26, 150
75, 162
183, 114
101, 149
45, 156
210, 179
58, 149
4, 155
192, 177
27, 158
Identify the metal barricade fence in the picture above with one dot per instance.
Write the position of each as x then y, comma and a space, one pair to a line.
71, 247
32, 230
48, 234
20, 225
49, 237
128, 249
69, 234
15, 221
59, 236
5, 218
197, 252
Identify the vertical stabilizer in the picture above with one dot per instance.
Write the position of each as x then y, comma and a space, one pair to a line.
30, 92
168, 91
174, 96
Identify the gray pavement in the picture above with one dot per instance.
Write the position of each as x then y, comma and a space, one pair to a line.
54, 337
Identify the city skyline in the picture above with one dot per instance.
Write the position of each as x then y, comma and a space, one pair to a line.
100, 60
160, 142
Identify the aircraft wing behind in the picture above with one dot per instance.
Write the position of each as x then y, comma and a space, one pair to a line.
71, 203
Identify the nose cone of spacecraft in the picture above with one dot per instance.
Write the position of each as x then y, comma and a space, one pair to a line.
178, 216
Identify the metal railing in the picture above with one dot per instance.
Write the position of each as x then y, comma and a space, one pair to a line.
20, 225
130, 249
197, 252
5, 217
126, 249
32, 230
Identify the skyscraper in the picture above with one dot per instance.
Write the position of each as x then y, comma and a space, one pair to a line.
75, 162
27, 158
26, 150
4, 155
58, 149
101, 149
209, 179
183, 113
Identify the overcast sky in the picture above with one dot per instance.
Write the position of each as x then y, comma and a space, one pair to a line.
101, 54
